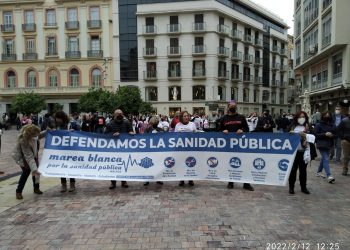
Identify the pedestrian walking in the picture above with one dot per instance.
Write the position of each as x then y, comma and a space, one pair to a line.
337, 150
25, 155
344, 134
237, 123
325, 131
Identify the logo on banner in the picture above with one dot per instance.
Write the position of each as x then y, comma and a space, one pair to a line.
235, 162
259, 163
146, 162
169, 162
212, 162
190, 162
283, 164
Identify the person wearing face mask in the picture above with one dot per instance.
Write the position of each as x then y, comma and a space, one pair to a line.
234, 122
116, 126
324, 132
185, 125
265, 123
26, 156
283, 123
337, 150
61, 121
300, 125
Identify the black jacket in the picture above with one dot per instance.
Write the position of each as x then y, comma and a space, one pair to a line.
322, 141
232, 123
344, 129
263, 120
121, 127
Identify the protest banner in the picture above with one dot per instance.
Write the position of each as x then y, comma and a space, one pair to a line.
260, 158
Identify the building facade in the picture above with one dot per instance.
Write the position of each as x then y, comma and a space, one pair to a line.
197, 55
57, 48
322, 38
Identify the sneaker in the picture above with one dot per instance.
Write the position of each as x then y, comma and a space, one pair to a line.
19, 196
320, 174
330, 179
305, 191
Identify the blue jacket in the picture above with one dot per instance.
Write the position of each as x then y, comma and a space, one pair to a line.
322, 141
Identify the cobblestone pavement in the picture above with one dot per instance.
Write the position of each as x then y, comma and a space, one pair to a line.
207, 216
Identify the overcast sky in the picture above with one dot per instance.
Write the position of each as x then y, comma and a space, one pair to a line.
283, 8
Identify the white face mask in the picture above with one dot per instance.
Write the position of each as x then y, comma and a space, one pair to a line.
301, 120
337, 112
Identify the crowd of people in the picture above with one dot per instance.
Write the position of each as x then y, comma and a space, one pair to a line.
331, 132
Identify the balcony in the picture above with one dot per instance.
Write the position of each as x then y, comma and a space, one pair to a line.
150, 75
326, 41
149, 30
247, 78
95, 53
236, 34
198, 74
199, 27
223, 29
7, 28
174, 28
223, 52
236, 77
51, 53
258, 61
30, 56
283, 84
174, 51
325, 4
223, 75
247, 58
275, 49
174, 75
283, 52
236, 55
149, 52
275, 66
51, 25
94, 24
73, 54
72, 25
275, 83
283, 68
198, 50
257, 80
258, 42
248, 39
29, 27
8, 57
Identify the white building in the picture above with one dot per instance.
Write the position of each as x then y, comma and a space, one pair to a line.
198, 55
322, 38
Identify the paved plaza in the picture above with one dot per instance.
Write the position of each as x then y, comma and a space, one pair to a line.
206, 216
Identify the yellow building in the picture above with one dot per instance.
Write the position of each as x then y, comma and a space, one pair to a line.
58, 49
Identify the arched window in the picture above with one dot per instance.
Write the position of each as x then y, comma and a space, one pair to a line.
74, 78
96, 77
53, 78
11, 79
31, 79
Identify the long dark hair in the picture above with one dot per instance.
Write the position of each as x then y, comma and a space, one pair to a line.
297, 115
323, 116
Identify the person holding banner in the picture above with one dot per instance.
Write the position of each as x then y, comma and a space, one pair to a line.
300, 125
118, 125
61, 121
234, 122
26, 156
185, 125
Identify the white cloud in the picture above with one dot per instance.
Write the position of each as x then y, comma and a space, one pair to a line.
282, 8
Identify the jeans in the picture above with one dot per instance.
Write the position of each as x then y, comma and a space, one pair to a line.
300, 164
324, 163
23, 179
336, 150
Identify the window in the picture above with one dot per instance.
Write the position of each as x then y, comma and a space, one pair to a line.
50, 17
11, 79
222, 93
234, 93
53, 78
94, 13
327, 30
273, 97
198, 68
175, 93
310, 11
151, 70
72, 15
9, 47
198, 18
151, 94
311, 43
256, 96
30, 45
31, 79
266, 96
174, 69
199, 41
246, 95
51, 46
95, 43
150, 28
8, 20
337, 66
222, 69
198, 92
73, 43
29, 17
74, 78
235, 71
281, 97
96, 78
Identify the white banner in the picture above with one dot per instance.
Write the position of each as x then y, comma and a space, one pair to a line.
258, 158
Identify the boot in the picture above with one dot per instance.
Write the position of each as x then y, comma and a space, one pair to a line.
71, 187
19, 196
64, 188
37, 189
